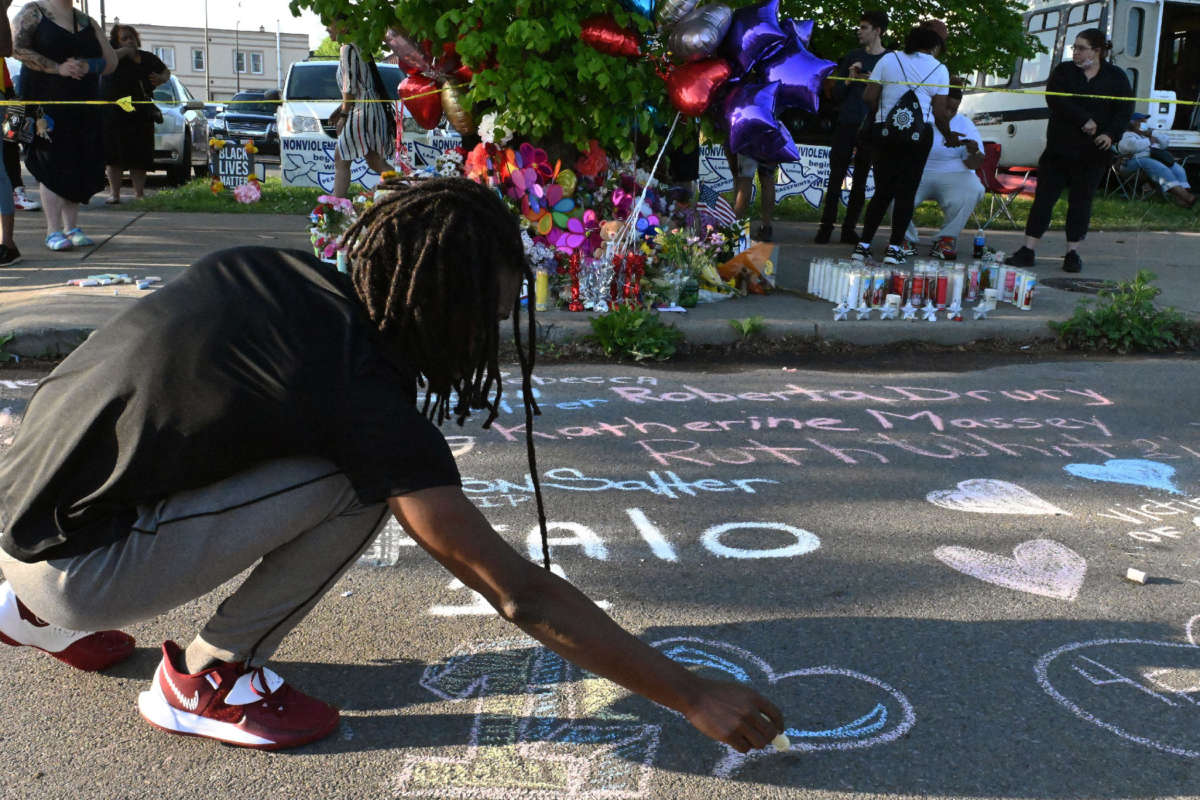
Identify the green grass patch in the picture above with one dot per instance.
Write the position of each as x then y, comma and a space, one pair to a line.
1108, 214
197, 196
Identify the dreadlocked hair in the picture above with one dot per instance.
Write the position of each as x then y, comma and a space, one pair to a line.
425, 260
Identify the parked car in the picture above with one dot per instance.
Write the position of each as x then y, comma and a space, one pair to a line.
250, 116
307, 139
181, 139
212, 109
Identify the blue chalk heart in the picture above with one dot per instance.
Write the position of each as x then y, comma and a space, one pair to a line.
1135, 471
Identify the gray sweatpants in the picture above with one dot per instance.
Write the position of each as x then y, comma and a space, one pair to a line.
956, 192
300, 516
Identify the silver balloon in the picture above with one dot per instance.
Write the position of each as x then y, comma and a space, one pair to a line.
671, 11
700, 33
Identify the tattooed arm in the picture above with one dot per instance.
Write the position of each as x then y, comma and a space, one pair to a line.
26, 29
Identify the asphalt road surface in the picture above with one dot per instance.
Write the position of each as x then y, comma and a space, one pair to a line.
926, 572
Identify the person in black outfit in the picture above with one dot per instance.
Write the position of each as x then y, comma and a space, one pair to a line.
261, 413
63, 53
1079, 136
129, 137
858, 63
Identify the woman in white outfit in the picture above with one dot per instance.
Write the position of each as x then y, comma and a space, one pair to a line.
363, 124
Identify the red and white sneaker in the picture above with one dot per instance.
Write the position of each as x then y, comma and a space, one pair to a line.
945, 249
84, 650
233, 704
23, 201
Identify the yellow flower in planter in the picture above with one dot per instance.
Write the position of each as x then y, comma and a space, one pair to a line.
216, 143
217, 187
388, 174
250, 148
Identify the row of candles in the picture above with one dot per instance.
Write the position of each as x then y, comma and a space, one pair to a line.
943, 285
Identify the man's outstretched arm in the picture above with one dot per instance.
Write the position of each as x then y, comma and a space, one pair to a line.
551, 610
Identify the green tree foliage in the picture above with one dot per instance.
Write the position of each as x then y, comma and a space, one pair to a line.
985, 35
531, 66
327, 49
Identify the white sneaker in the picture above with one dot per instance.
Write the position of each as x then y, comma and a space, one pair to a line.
24, 202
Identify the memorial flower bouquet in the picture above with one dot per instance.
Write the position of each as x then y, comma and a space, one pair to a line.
330, 219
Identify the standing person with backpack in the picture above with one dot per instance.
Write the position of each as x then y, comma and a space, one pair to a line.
902, 133
847, 144
1079, 138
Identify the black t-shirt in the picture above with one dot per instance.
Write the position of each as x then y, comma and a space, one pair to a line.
1064, 134
852, 109
253, 354
132, 79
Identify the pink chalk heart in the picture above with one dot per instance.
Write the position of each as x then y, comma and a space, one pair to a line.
1039, 566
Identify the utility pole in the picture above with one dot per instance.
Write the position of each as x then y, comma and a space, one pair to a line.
207, 60
237, 52
278, 60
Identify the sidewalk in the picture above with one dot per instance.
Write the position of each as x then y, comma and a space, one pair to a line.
47, 317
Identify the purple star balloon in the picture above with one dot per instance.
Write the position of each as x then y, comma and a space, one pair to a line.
753, 129
800, 30
799, 74
753, 34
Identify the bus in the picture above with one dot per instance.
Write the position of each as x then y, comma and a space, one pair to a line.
1156, 42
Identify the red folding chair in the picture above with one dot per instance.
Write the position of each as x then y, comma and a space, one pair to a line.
1001, 188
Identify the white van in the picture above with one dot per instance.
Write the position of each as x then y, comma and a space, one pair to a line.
307, 139
1156, 42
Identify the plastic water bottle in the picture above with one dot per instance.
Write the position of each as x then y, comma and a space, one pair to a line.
980, 243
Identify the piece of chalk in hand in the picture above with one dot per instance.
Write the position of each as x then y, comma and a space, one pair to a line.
780, 742
1135, 575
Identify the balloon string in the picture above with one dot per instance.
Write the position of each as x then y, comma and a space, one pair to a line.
625, 237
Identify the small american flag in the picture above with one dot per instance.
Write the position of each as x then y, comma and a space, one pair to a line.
715, 206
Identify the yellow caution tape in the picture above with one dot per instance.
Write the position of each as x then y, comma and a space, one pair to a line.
1038, 92
127, 103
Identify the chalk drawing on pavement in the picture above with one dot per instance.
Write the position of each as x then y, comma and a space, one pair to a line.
990, 496
1142, 690
1039, 566
889, 713
1133, 471
544, 729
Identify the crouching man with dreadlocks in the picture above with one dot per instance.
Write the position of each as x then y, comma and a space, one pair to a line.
261, 411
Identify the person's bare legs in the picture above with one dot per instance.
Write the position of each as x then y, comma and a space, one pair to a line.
378, 163
138, 177
767, 209
70, 215
52, 208
742, 188
341, 177
114, 183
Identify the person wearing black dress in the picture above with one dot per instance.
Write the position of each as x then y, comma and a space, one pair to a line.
129, 137
64, 53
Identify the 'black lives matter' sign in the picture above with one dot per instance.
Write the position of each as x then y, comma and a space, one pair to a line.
232, 165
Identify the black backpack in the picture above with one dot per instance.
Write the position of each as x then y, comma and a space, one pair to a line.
905, 122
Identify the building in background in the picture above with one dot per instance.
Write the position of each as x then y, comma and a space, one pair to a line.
242, 60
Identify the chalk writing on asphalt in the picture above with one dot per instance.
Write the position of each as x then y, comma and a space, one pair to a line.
541, 728
1144, 691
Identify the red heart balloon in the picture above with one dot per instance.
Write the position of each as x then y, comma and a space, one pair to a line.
426, 109
693, 85
603, 33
